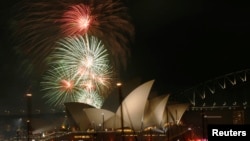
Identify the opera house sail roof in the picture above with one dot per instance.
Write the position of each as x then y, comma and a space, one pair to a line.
136, 112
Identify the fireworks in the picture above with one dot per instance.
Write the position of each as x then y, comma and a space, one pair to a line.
87, 56
93, 99
84, 68
76, 20
74, 43
39, 24
60, 87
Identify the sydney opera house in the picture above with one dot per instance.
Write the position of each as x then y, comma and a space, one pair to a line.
135, 112
136, 118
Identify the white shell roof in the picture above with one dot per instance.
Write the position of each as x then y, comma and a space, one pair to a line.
134, 105
138, 111
155, 110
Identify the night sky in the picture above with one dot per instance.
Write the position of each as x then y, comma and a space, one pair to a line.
178, 43
182, 43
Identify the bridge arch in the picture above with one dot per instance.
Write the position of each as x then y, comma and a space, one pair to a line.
228, 91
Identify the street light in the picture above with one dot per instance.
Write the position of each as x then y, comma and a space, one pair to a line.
29, 96
119, 85
103, 121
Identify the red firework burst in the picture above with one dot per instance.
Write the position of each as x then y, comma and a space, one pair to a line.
76, 20
40, 24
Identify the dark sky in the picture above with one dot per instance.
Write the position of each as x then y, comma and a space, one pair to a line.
178, 43
181, 43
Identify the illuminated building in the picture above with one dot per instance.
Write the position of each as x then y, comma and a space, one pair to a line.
141, 118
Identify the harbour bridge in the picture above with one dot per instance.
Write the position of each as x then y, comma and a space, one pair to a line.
228, 91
